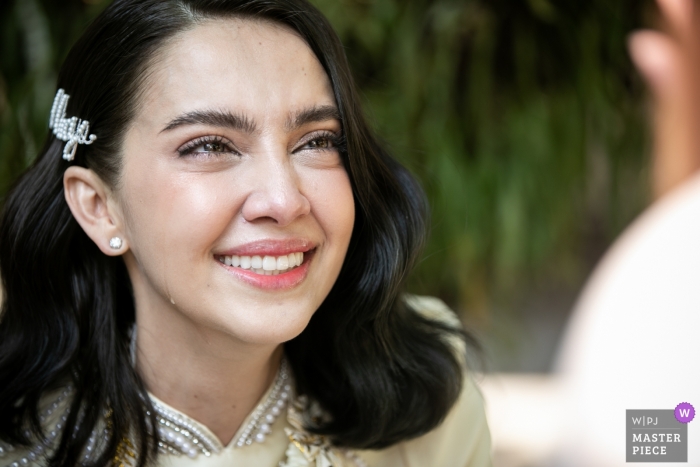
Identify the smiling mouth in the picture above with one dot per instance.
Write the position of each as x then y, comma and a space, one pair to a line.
265, 265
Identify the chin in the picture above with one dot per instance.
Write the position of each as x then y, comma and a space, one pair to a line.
270, 331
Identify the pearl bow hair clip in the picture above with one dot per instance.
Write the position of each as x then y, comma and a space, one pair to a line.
73, 131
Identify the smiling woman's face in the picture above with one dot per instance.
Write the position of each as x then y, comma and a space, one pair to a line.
230, 179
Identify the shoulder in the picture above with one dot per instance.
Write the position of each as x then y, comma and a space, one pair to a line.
432, 308
437, 311
52, 414
462, 440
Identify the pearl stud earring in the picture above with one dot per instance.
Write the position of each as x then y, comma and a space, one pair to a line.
115, 243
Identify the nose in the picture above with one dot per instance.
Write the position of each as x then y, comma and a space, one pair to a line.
277, 196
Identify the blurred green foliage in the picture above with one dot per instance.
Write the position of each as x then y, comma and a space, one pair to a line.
524, 120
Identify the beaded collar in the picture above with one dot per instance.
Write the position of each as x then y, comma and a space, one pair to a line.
180, 436
38, 450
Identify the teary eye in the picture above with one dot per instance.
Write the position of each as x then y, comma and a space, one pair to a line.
207, 145
322, 142
213, 147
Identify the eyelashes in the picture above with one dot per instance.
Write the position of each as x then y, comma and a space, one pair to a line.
211, 145
214, 145
323, 141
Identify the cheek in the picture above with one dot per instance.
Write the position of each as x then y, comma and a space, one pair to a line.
333, 205
173, 211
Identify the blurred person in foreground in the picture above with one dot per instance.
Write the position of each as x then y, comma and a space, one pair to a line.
632, 341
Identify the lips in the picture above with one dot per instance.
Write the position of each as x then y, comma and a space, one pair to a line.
269, 247
269, 264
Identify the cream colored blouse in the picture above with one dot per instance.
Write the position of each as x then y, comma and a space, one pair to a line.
273, 434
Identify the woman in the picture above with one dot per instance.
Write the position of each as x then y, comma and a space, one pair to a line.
204, 264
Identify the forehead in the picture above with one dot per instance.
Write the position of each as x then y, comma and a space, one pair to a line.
255, 67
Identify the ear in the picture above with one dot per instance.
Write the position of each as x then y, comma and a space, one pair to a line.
90, 201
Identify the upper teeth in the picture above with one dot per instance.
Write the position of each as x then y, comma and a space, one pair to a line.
265, 264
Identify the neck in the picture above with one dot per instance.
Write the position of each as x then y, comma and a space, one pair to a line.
204, 373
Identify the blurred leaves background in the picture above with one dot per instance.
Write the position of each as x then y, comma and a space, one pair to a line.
524, 120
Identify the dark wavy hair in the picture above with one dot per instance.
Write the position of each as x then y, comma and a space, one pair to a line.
382, 371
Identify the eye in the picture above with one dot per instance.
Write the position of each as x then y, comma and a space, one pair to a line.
212, 147
321, 141
208, 145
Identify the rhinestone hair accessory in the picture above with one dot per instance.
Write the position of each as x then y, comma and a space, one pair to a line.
73, 131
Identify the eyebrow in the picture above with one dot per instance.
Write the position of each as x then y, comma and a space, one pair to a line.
218, 118
319, 113
226, 119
